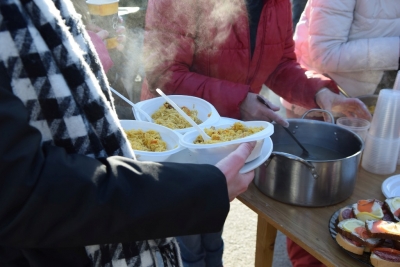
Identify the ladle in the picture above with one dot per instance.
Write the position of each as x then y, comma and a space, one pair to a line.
180, 111
147, 116
305, 153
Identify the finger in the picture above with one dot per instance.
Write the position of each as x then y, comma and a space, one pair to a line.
236, 159
121, 38
103, 34
273, 116
270, 104
93, 27
120, 29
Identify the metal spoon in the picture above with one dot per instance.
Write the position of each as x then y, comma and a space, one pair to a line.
147, 116
305, 153
180, 111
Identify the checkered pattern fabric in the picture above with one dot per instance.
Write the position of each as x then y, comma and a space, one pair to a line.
58, 77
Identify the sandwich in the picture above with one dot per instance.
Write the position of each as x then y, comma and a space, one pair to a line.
353, 236
385, 257
368, 209
346, 213
383, 229
393, 207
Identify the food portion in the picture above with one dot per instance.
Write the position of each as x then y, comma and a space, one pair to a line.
385, 257
371, 226
383, 229
236, 131
352, 235
146, 140
167, 116
368, 209
393, 206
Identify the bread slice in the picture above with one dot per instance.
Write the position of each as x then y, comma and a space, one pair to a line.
381, 260
393, 207
349, 245
383, 229
368, 209
354, 230
346, 213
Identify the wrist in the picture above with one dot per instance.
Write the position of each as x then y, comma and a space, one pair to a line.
319, 93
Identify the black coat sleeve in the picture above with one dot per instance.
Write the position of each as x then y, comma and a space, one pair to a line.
49, 198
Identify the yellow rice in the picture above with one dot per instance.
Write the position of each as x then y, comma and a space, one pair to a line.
167, 116
146, 140
236, 131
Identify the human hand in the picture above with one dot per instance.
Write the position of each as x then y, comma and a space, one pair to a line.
104, 34
252, 109
230, 166
350, 107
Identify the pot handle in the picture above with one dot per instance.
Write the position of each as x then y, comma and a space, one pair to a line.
308, 164
319, 110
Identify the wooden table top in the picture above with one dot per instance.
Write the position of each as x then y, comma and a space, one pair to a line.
309, 227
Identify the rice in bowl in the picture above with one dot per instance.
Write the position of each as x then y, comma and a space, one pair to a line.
167, 116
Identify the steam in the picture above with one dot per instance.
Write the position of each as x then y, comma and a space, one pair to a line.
186, 25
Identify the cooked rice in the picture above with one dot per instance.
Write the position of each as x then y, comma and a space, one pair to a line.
167, 116
236, 131
146, 140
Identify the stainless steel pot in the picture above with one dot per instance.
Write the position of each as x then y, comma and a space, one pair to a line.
314, 182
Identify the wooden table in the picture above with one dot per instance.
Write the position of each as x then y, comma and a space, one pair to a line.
308, 227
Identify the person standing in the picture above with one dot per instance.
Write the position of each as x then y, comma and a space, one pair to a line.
224, 51
71, 192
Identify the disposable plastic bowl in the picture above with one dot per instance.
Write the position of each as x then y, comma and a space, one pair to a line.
170, 137
212, 153
206, 111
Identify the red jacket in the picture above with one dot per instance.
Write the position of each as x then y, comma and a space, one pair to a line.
188, 52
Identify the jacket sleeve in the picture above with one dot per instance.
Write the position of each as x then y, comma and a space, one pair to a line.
289, 80
49, 198
330, 48
169, 51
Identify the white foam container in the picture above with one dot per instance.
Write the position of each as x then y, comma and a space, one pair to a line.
212, 153
170, 137
206, 111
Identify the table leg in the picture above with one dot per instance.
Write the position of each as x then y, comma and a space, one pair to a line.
265, 243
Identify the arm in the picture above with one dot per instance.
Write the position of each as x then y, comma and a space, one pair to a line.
49, 198
169, 50
332, 51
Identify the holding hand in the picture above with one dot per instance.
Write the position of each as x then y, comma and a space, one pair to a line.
230, 166
351, 107
252, 109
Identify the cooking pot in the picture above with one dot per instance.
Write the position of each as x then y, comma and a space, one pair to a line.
325, 178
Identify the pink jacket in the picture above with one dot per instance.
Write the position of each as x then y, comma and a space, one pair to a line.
190, 50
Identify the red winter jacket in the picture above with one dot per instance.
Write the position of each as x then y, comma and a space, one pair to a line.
191, 50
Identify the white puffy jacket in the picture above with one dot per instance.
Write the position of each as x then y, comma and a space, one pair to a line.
352, 41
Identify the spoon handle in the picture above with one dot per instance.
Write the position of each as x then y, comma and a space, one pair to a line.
305, 152
181, 112
147, 116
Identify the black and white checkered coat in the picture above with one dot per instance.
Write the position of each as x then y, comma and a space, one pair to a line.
56, 74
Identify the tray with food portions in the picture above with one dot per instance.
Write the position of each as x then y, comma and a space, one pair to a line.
369, 231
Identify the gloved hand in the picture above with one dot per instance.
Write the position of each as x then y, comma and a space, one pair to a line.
350, 107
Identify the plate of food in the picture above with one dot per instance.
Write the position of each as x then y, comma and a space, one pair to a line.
162, 113
369, 231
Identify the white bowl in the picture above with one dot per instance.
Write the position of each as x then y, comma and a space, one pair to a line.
206, 112
170, 137
212, 153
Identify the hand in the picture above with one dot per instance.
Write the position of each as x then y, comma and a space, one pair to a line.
237, 183
350, 107
252, 109
104, 34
